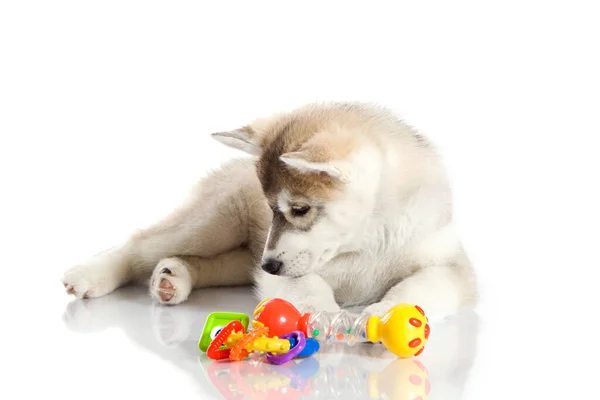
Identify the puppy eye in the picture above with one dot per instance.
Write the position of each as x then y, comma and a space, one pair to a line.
299, 211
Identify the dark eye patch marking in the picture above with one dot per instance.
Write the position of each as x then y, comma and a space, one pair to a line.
279, 225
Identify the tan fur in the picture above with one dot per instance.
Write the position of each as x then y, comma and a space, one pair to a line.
319, 133
288, 134
274, 174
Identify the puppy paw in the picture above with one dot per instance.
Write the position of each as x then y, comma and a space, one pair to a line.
312, 305
378, 309
87, 281
96, 277
171, 282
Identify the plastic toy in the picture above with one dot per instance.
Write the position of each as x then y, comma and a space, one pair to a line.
280, 316
281, 332
235, 343
403, 329
217, 321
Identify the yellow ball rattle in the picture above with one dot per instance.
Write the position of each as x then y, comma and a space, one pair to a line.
403, 330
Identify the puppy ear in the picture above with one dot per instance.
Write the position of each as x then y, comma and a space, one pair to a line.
308, 162
244, 139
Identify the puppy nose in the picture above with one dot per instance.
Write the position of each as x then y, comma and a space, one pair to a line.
272, 266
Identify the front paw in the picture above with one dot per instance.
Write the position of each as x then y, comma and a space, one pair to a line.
378, 309
315, 304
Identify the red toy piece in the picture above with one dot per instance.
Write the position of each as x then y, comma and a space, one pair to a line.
281, 317
215, 351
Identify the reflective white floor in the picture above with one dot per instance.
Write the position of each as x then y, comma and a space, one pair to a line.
171, 334
105, 114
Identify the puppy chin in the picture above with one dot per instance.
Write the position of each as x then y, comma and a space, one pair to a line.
293, 273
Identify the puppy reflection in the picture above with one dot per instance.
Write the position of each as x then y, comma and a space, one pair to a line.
148, 321
170, 332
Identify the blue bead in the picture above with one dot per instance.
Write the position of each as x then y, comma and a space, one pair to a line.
311, 347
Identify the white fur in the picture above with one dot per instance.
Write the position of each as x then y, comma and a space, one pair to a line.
100, 275
387, 238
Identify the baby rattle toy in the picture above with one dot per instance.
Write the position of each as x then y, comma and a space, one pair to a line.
403, 329
224, 336
281, 332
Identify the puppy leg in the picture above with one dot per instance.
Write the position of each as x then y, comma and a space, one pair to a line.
443, 283
439, 290
174, 278
226, 211
309, 293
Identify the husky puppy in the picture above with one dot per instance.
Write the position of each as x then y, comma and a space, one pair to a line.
337, 205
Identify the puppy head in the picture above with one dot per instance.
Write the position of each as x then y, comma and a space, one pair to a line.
319, 177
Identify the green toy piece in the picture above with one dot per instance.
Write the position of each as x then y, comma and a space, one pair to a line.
217, 321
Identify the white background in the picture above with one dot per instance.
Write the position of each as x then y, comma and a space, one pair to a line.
106, 108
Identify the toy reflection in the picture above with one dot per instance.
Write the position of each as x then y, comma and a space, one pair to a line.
261, 380
402, 379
